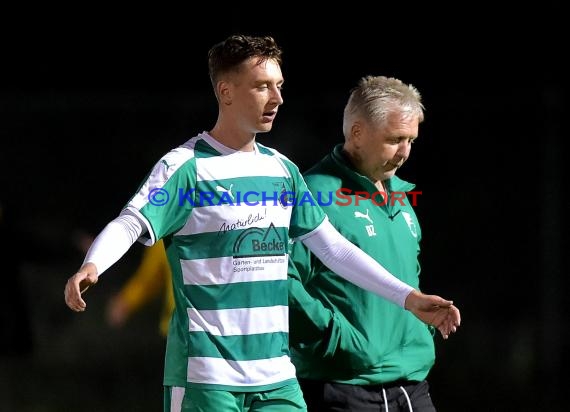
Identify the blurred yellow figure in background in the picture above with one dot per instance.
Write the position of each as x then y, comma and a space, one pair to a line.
152, 277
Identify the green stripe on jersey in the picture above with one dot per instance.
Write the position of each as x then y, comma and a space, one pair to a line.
266, 190
203, 150
238, 295
239, 348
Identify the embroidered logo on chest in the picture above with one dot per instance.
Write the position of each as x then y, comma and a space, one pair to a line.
369, 228
411, 224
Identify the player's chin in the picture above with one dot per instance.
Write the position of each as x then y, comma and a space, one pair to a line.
265, 127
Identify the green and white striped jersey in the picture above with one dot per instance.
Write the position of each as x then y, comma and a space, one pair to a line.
226, 218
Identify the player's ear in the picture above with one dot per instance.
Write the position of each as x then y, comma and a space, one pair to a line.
225, 92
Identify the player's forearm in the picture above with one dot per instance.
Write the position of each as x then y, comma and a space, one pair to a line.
113, 242
354, 265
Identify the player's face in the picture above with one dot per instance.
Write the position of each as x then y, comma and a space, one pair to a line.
256, 95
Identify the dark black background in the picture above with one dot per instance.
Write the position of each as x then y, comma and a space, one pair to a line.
88, 103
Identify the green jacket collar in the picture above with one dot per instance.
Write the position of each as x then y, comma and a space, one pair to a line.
339, 159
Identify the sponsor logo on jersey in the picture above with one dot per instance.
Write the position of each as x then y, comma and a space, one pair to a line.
257, 241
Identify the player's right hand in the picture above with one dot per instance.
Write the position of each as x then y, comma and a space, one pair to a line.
435, 311
79, 283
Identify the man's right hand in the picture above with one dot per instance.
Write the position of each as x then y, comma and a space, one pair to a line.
79, 283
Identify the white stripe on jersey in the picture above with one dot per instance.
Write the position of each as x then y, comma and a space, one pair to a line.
240, 373
240, 165
227, 217
224, 270
176, 398
242, 321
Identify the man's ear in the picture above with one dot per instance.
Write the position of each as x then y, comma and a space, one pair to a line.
225, 92
356, 134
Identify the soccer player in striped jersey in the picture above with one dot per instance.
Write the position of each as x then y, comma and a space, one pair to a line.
226, 207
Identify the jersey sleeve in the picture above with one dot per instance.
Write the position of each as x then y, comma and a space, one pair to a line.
307, 213
165, 199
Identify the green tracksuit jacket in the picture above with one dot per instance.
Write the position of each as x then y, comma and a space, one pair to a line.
340, 332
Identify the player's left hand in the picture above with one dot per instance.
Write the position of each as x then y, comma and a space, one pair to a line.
435, 311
